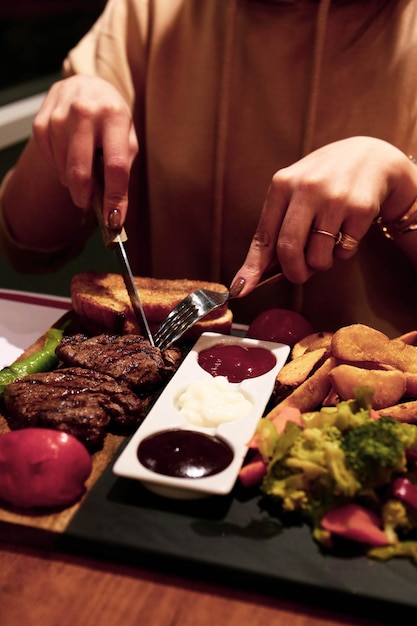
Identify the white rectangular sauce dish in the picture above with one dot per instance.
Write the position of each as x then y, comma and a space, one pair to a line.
166, 416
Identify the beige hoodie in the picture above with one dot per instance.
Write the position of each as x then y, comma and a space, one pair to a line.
226, 92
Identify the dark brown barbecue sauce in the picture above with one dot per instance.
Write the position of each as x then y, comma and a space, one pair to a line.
184, 454
236, 362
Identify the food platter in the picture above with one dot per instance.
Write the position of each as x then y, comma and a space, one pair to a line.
237, 540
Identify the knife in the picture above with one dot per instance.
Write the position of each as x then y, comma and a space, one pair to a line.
115, 241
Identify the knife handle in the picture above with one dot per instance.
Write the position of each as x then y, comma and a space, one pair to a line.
109, 236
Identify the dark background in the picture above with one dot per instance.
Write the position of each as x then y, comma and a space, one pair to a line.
35, 36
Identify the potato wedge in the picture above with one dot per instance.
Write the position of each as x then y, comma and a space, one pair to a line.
389, 385
359, 343
410, 337
331, 399
411, 385
311, 343
310, 394
403, 412
402, 355
296, 371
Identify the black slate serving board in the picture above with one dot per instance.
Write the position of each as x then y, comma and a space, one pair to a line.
236, 540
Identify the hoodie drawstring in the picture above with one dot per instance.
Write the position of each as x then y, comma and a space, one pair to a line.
220, 153
297, 291
319, 41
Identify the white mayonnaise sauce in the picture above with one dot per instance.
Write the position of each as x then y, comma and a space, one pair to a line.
212, 402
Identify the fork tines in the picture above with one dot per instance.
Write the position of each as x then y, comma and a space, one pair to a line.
193, 308
181, 317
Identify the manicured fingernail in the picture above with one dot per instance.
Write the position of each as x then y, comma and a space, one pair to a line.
114, 219
236, 287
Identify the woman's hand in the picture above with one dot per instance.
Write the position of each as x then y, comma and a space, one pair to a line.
80, 115
340, 188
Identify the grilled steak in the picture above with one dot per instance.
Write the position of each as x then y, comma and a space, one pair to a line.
128, 358
85, 403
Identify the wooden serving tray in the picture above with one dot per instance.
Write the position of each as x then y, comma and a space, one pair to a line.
53, 521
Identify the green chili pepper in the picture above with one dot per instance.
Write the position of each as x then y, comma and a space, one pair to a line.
43, 360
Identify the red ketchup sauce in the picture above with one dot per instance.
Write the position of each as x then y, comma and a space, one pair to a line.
184, 454
236, 362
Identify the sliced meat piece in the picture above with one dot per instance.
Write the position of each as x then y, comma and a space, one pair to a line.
172, 358
82, 402
129, 358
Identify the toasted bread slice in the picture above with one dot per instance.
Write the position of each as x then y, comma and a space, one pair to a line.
102, 303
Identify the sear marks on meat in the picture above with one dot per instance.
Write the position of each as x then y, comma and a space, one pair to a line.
106, 384
84, 403
129, 358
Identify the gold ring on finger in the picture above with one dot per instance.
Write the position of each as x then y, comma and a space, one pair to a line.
327, 233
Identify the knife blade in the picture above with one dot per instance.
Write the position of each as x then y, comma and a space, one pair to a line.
115, 241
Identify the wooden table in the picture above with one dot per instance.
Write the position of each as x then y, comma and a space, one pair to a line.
41, 587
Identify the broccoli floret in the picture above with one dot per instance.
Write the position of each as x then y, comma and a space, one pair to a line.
317, 453
343, 478
323, 537
302, 451
340, 455
286, 440
407, 433
396, 519
407, 549
346, 415
308, 469
310, 447
290, 491
267, 436
375, 450
363, 399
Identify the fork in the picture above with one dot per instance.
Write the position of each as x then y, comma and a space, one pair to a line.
193, 308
